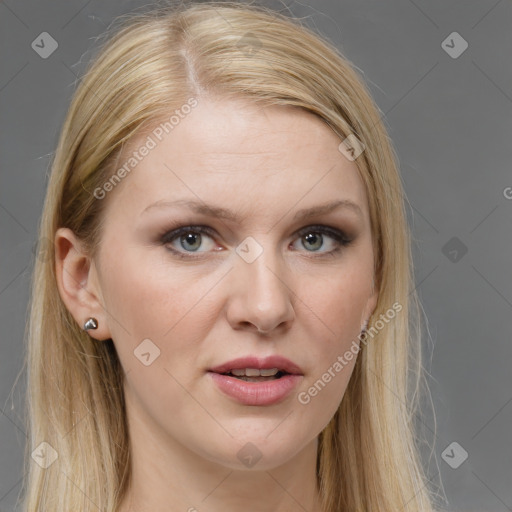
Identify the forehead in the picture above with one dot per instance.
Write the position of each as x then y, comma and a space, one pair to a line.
239, 154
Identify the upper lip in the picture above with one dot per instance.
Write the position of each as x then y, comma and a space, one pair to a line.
281, 363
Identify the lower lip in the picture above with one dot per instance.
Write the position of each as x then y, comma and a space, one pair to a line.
256, 393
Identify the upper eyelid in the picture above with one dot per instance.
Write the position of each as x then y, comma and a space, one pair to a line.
208, 229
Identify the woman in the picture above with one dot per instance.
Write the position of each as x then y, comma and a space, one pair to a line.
225, 316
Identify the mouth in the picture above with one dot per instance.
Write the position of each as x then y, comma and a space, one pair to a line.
251, 367
255, 374
257, 382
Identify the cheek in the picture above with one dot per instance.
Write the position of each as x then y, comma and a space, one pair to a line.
333, 359
172, 310
335, 308
338, 303
153, 300
150, 290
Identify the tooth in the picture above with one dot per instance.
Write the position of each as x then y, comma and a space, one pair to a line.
269, 372
254, 372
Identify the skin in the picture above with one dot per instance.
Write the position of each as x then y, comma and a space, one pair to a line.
265, 164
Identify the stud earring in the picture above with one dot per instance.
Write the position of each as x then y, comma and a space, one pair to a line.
364, 327
91, 323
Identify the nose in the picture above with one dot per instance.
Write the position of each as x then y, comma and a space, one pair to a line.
260, 298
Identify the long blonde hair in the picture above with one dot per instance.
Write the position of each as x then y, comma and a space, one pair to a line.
368, 458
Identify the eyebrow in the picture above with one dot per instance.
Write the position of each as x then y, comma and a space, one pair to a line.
223, 213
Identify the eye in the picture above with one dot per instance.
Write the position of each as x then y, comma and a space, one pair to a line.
187, 240
316, 238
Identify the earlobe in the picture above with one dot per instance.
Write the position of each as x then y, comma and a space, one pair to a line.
77, 283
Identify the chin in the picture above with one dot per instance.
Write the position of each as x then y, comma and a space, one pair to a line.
256, 452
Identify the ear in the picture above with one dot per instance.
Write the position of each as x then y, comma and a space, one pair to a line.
370, 306
78, 283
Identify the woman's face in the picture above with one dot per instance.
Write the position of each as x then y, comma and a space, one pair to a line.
250, 277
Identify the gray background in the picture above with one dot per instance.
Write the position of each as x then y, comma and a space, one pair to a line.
450, 120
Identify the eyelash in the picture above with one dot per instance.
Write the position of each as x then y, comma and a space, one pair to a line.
339, 236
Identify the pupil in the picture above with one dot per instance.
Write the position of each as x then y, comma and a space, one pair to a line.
189, 238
